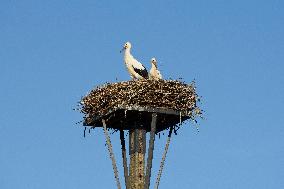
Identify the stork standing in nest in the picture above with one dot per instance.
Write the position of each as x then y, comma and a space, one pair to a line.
134, 67
154, 72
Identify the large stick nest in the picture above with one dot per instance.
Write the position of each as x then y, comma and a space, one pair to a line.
170, 94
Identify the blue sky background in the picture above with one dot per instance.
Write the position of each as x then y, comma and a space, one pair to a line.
53, 52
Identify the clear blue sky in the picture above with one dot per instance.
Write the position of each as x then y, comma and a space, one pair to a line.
53, 52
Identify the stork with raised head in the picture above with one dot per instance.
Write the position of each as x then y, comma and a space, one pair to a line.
154, 72
134, 67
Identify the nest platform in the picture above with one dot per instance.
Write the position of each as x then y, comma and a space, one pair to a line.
130, 105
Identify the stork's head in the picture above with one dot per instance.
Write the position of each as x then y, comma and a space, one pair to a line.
154, 61
127, 45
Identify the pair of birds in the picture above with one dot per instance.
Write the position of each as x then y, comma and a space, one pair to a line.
136, 69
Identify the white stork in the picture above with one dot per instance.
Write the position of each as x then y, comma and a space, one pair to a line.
135, 68
154, 72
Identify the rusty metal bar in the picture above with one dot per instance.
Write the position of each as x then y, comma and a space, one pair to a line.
111, 154
150, 151
163, 159
124, 158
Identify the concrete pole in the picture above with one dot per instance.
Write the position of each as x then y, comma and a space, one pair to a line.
137, 148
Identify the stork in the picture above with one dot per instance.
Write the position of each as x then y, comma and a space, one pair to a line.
154, 72
135, 68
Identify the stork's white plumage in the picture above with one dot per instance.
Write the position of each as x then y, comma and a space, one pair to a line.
135, 68
154, 72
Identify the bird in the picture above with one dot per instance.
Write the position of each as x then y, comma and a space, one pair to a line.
134, 67
154, 72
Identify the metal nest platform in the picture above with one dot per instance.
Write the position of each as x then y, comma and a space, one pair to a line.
135, 117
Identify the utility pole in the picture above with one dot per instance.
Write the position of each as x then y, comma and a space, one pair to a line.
140, 108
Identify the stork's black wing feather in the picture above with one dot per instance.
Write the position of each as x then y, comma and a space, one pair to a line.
141, 72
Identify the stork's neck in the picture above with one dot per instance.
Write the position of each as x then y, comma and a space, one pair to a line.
127, 53
154, 66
